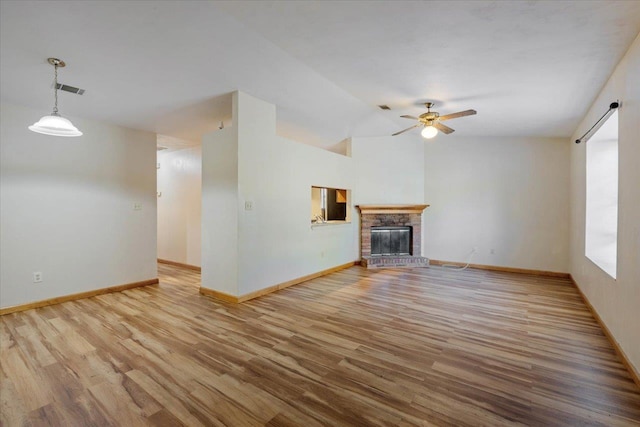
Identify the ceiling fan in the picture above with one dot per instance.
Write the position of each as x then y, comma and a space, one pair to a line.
431, 121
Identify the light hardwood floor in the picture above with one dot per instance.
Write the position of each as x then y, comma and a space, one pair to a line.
358, 347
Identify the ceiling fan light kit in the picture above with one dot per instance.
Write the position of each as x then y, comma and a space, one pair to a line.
429, 132
430, 121
54, 124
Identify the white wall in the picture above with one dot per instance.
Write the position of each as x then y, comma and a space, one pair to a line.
506, 194
220, 210
179, 205
616, 301
66, 208
388, 170
276, 241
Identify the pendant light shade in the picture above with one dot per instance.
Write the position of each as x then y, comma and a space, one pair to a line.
54, 124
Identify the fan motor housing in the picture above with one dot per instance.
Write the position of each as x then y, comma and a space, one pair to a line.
431, 115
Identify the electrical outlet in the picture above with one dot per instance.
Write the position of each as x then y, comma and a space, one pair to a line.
137, 206
248, 205
37, 277
474, 249
493, 251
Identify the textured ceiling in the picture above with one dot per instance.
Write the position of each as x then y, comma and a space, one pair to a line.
528, 68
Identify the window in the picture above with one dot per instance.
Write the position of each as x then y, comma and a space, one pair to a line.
601, 222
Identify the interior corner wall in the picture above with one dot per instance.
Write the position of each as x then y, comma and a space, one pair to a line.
67, 208
617, 302
179, 205
220, 210
388, 170
507, 197
275, 175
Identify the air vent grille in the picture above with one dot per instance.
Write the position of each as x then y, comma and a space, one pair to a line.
71, 89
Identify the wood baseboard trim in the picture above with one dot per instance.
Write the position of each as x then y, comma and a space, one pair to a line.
635, 375
297, 281
219, 295
504, 269
73, 297
180, 264
251, 295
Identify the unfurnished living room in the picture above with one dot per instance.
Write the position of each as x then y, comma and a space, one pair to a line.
320, 213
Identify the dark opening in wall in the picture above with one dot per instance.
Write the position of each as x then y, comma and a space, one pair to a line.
329, 204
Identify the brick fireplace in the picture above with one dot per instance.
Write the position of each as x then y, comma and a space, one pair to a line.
390, 251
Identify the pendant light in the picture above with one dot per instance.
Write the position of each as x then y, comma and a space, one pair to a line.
54, 124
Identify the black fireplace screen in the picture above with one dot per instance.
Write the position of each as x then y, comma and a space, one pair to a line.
390, 241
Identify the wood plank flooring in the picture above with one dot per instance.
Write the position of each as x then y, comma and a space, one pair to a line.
358, 347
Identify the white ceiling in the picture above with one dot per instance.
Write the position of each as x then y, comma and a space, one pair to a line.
528, 68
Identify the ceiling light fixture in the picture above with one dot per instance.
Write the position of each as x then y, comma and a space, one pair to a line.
54, 124
431, 121
429, 132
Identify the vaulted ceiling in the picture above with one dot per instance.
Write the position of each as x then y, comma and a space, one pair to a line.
529, 68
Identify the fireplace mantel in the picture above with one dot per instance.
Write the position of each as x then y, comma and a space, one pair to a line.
391, 209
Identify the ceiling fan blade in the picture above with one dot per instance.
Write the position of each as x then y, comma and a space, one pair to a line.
442, 128
403, 131
409, 117
458, 114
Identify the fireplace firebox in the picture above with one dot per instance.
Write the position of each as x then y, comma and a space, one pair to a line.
386, 241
